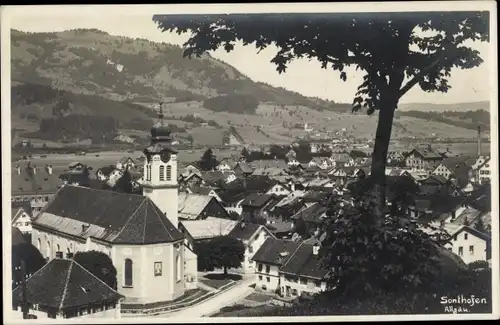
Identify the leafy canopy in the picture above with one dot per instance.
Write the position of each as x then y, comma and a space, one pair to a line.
421, 47
220, 252
99, 264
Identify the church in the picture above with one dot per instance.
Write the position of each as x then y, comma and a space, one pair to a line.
138, 232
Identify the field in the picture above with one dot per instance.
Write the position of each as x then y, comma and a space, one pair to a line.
111, 157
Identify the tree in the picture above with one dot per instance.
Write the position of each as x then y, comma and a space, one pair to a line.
301, 228
208, 161
124, 183
190, 139
31, 256
425, 46
479, 226
234, 216
245, 154
99, 264
221, 252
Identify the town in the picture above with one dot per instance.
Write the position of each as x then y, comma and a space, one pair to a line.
242, 232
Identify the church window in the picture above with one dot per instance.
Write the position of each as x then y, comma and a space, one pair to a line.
128, 272
39, 244
179, 265
162, 173
169, 173
48, 249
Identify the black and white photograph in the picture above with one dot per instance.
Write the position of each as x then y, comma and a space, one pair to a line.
250, 162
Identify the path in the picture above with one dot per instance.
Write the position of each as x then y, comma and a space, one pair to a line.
238, 292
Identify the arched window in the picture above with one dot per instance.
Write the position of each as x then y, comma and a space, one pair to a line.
128, 272
68, 251
179, 266
48, 249
58, 248
39, 244
169, 173
162, 173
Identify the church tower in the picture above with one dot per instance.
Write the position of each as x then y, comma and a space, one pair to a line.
160, 170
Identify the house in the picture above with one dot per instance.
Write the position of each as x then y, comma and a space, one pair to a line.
303, 272
256, 206
423, 159
452, 167
125, 163
199, 207
199, 230
289, 267
342, 159
478, 161
243, 169
281, 230
252, 236
278, 189
35, 185
483, 172
191, 180
76, 165
291, 154
318, 162
21, 216
313, 214
103, 173
225, 165
113, 177
207, 191
64, 289
470, 244
269, 258
269, 163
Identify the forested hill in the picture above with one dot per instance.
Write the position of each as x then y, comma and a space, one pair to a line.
92, 62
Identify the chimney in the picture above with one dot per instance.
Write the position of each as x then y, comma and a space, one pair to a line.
242, 224
34, 170
84, 228
18, 170
478, 140
315, 249
49, 169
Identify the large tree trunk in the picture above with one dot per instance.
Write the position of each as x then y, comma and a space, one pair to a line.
379, 157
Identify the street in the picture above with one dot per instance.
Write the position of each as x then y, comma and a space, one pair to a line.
236, 293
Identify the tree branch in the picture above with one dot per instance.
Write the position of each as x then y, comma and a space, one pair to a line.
421, 74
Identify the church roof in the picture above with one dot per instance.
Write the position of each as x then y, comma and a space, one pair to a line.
114, 217
64, 284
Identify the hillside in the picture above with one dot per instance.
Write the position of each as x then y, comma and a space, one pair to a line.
60, 79
92, 62
457, 107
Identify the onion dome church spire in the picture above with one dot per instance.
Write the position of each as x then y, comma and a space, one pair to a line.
160, 132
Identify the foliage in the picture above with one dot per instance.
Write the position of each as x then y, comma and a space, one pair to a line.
301, 228
410, 302
97, 128
241, 104
33, 260
208, 161
479, 225
124, 183
357, 154
220, 252
360, 40
99, 264
478, 265
245, 154
234, 216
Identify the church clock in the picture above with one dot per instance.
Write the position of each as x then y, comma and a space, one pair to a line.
165, 156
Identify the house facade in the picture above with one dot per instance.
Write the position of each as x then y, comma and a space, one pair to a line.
253, 237
470, 244
425, 159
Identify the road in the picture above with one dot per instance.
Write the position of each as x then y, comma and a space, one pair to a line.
236, 293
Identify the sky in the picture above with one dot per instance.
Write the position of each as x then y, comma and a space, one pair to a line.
303, 76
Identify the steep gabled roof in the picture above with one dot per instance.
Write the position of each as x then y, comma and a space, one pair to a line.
244, 230
107, 215
65, 284
303, 262
32, 180
190, 206
275, 251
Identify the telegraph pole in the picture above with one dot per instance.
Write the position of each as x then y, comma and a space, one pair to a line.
24, 305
